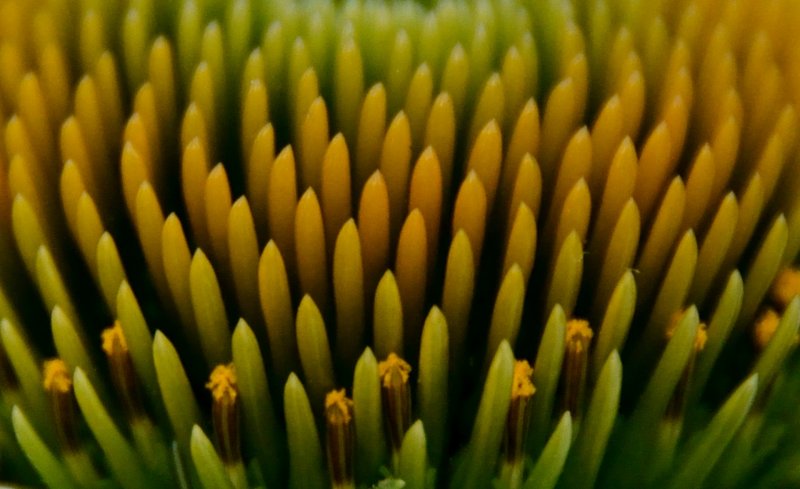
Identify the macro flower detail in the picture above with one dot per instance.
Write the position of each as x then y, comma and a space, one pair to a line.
339, 439
505, 244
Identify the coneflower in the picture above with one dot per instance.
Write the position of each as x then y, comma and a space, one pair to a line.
490, 243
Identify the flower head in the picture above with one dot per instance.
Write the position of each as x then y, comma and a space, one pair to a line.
541, 243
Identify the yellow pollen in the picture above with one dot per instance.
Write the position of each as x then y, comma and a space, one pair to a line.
338, 407
765, 328
578, 334
392, 368
222, 383
56, 376
673, 323
785, 287
701, 337
522, 386
114, 340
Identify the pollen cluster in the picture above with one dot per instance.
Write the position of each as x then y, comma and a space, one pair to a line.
465, 244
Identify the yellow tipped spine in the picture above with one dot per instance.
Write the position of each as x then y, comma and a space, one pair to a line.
282, 200
470, 213
348, 289
244, 256
314, 349
336, 189
309, 238
412, 275
371, 128
276, 306
313, 141
388, 316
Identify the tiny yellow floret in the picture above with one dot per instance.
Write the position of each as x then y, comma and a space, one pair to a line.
522, 385
701, 337
222, 383
765, 328
338, 407
56, 376
579, 334
393, 368
114, 340
785, 287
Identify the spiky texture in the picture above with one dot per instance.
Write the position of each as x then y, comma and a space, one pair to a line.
401, 243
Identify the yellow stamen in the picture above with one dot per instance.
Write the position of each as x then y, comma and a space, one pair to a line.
765, 328
222, 384
56, 376
522, 385
121, 366
701, 338
579, 334
575, 364
58, 384
340, 438
677, 403
394, 372
114, 340
785, 287
338, 408
225, 413
518, 418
